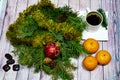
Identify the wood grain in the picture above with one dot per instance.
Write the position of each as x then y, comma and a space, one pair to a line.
62, 3
24, 71
117, 48
3, 5
83, 74
74, 4
98, 72
21, 5
9, 11
84, 4
110, 69
31, 2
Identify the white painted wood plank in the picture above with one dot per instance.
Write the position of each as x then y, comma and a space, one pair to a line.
4, 48
112, 46
62, 3
2, 73
95, 4
110, 70
31, 2
83, 74
33, 75
21, 5
4, 45
105, 4
84, 4
3, 61
23, 73
44, 76
55, 2
3, 4
11, 12
10, 75
75, 72
117, 10
74, 4
98, 72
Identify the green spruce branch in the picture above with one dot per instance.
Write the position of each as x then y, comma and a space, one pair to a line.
36, 26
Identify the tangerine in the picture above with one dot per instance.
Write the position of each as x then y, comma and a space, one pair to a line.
90, 63
103, 57
91, 45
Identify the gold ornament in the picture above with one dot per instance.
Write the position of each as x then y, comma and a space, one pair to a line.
47, 60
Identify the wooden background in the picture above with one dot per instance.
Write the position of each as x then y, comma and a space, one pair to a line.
9, 10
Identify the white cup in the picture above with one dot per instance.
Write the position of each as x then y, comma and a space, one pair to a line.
93, 20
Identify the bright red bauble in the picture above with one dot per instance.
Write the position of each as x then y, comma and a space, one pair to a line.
51, 50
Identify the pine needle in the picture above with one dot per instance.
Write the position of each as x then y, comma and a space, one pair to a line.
42, 23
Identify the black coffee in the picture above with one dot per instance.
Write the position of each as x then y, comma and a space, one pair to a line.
93, 20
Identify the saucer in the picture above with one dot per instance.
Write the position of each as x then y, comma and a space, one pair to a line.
101, 34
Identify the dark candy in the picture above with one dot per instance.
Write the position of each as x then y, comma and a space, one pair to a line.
6, 67
8, 56
12, 61
16, 67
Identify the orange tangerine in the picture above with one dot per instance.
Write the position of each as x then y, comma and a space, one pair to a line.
91, 45
90, 63
103, 57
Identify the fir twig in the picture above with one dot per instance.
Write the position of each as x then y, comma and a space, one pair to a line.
42, 23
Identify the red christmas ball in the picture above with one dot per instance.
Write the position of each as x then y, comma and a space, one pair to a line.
51, 50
